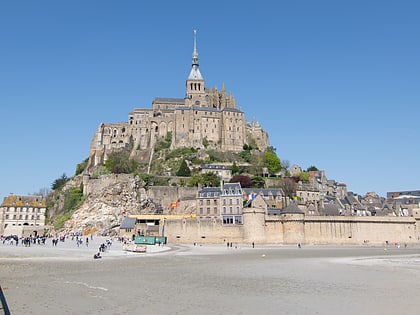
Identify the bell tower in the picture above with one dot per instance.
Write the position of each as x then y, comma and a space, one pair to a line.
195, 94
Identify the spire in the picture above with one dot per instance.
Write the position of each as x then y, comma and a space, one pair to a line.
195, 73
195, 53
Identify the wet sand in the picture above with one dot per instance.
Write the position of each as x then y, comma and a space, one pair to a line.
211, 279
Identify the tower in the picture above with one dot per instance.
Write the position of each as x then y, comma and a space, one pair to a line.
195, 94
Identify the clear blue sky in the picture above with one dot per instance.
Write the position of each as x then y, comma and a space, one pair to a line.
335, 83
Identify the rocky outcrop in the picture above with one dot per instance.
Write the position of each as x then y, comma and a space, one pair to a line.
103, 210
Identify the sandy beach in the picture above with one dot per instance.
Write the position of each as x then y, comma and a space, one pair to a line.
210, 279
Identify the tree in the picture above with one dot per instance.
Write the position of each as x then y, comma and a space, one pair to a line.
272, 162
81, 167
210, 179
245, 155
234, 168
303, 176
312, 169
258, 182
59, 182
288, 186
184, 170
285, 164
244, 180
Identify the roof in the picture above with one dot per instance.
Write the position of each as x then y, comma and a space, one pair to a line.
215, 167
331, 209
229, 109
264, 191
169, 100
195, 74
128, 223
231, 189
292, 208
209, 192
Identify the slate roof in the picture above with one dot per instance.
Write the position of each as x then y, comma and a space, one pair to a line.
169, 100
214, 167
231, 189
331, 209
128, 223
265, 191
292, 208
207, 192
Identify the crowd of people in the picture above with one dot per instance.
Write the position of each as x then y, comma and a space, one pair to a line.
34, 240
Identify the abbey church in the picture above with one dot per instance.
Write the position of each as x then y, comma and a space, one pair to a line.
204, 118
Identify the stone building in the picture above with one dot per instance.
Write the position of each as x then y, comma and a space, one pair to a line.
204, 118
224, 203
18, 211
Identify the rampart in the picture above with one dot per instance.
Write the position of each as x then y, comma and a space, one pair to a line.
296, 228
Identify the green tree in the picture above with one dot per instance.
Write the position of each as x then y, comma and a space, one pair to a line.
210, 179
303, 176
81, 167
258, 181
183, 170
245, 155
195, 180
312, 169
272, 162
59, 182
234, 168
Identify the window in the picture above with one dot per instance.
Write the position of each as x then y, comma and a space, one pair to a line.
201, 210
228, 220
208, 210
208, 202
224, 210
230, 210
215, 210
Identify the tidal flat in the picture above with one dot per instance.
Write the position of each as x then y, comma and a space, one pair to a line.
211, 279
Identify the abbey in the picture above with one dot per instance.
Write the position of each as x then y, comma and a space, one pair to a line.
204, 118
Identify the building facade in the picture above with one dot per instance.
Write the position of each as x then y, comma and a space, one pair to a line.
22, 211
225, 203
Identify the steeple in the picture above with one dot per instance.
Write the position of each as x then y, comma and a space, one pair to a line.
195, 92
195, 72
195, 53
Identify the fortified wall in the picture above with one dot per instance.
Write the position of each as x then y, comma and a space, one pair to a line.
296, 228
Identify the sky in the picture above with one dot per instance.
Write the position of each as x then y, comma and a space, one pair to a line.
334, 83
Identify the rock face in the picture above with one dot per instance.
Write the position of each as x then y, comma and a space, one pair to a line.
104, 209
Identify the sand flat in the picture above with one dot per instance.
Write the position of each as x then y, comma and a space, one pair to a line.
211, 279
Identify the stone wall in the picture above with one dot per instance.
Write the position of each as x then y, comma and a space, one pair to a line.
202, 231
294, 229
360, 230
165, 195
